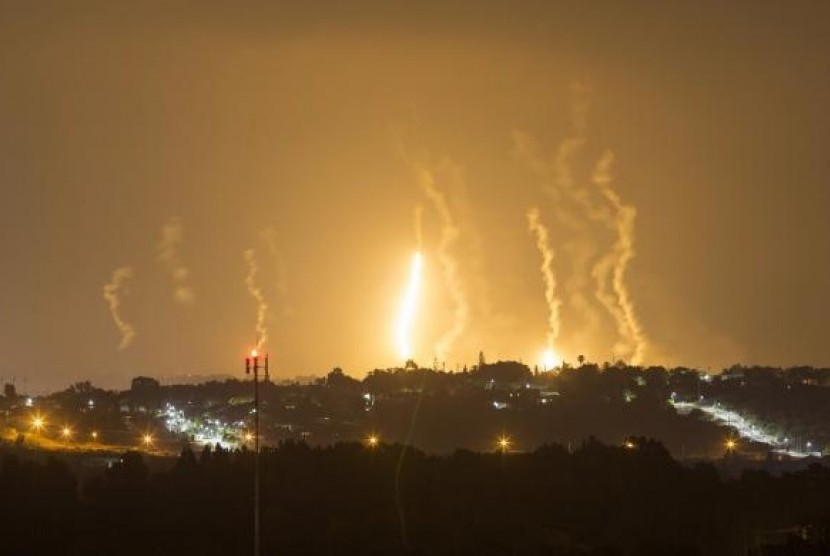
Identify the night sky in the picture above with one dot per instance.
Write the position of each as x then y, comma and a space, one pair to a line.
170, 138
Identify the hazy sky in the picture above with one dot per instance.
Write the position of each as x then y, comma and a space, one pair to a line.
168, 139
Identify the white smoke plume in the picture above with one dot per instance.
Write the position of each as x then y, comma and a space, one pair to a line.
269, 235
622, 253
112, 295
448, 262
604, 293
172, 236
605, 209
259, 297
417, 220
542, 235
578, 243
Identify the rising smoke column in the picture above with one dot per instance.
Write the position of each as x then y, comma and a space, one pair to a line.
554, 303
608, 272
269, 235
448, 262
256, 293
561, 186
622, 252
602, 271
417, 224
112, 296
172, 236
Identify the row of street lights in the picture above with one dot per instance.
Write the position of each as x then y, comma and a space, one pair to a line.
39, 424
503, 442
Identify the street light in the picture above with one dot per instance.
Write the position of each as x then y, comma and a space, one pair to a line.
731, 445
372, 440
148, 439
503, 443
38, 423
94, 435
66, 432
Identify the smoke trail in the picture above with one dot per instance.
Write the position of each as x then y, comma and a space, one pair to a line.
172, 235
581, 251
449, 264
256, 293
601, 272
418, 216
561, 185
609, 270
623, 252
111, 294
281, 284
543, 244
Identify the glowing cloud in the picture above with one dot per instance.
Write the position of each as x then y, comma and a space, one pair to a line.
112, 296
550, 359
172, 235
259, 297
448, 262
408, 309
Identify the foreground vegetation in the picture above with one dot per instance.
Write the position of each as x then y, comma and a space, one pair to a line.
386, 499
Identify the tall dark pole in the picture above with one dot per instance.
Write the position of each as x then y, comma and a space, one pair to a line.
252, 364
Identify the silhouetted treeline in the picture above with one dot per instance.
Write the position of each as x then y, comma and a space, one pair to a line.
355, 499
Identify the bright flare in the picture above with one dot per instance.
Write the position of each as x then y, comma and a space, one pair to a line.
550, 359
407, 315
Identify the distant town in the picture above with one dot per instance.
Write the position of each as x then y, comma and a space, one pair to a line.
757, 414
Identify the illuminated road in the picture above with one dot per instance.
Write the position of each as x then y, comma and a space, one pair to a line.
746, 428
45, 442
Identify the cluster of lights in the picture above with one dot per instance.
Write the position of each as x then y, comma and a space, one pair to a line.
207, 431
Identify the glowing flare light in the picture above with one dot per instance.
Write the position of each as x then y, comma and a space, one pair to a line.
550, 359
407, 314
